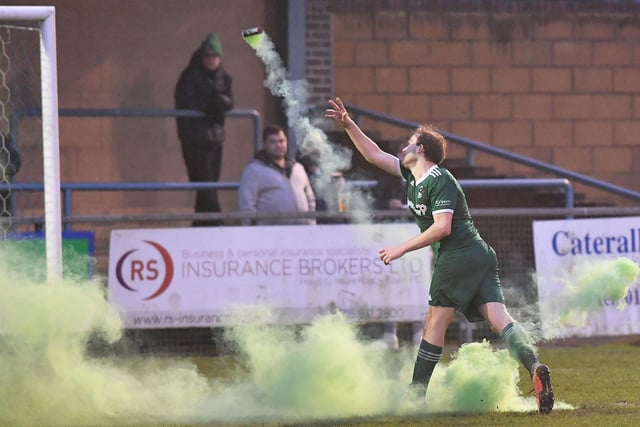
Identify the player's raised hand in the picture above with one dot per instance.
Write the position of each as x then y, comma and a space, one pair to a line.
338, 112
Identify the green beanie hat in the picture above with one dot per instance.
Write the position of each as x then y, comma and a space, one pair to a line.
211, 44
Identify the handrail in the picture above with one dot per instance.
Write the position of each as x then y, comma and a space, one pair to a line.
499, 152
142, 112
69, 187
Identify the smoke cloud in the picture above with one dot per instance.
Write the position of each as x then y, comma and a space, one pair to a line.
322, 371
311, 140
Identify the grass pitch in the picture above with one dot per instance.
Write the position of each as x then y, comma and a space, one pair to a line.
599, 379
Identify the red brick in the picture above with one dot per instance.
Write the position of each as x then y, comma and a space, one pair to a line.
501, 166
511, 80
425, 26
468, 28
391, 24
487, 52
512, 134
575, 159
392, 80
506, 28
612, 106
613, 159
544, 154
95, 134
532, 107
472, 129
573, 107
595, 29
390, 132
492, 107
450, 107
372, 102
627, 133
612, 53
409, 107
409, 52
626, 80
636, 107
343, 53
628, 30
353, 80
371, 53
552, 133
551, 79
532, 52
450, 53
353, 27
635, 165
551, 29
593, 133
429, 80
592, 79
470, 80
572, 53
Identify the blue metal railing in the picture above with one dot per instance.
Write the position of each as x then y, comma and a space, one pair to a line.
499, 152
145, 113
69, 188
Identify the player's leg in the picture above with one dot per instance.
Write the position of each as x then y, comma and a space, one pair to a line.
514, 335
430, 350
521, 348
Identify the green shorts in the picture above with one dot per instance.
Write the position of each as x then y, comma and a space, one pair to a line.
465, 278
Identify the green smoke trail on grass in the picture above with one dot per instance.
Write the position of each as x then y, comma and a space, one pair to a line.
46, 377
323, 371
311, 140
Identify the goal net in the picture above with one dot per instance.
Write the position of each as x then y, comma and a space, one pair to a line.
29, 151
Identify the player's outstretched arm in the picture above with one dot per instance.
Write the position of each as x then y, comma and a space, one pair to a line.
365, 145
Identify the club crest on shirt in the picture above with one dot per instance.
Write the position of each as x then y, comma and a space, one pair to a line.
420, 192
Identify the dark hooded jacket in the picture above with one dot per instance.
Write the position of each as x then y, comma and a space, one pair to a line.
207, 91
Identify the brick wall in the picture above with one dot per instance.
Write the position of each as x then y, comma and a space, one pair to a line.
319, 60
556, 81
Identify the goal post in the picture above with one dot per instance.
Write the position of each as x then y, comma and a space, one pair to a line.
44, 18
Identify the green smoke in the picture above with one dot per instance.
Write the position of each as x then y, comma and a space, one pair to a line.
593, 283
46, 377
311, 140
321, 371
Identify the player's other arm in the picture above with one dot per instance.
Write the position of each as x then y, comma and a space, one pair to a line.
440, 229
365, 145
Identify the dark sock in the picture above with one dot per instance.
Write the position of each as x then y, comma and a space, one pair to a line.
520, 345
426, 361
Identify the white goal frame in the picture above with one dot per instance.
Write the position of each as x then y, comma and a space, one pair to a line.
45, 17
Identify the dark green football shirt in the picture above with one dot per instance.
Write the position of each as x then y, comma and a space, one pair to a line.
439, 191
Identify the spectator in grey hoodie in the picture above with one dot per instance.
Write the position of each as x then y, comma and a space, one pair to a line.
272, 182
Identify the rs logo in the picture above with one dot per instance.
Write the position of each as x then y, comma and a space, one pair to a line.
145, 271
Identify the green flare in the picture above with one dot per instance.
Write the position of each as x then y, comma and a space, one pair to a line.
253, 36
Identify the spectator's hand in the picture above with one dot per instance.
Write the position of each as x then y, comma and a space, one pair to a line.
219, 103
338, 113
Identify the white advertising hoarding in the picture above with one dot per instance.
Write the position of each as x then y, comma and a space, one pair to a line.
194, 277
563, 248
